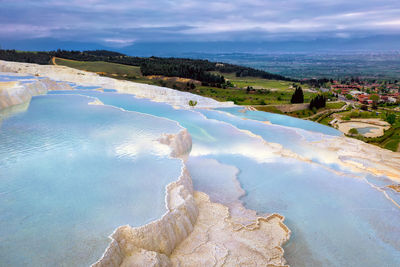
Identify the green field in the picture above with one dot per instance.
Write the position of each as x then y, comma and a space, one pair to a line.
335, 105
241, 97
109, 69
257, 83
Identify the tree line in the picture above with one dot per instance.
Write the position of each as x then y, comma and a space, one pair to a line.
42, 58
318, 102
181, 67
183, 70
198, 69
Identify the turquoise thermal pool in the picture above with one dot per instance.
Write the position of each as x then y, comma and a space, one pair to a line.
332, 216
71, 173
108, 156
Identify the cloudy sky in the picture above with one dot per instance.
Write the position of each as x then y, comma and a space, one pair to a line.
124, 22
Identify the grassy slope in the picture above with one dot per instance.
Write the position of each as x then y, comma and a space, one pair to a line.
391, 139
239, 96
307, 112
257, 83
279, 91
101, 66
393, 142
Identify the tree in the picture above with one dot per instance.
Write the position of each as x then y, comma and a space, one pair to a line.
298, 96
391, 118
349, 97
374, 98
318, 102
192, 103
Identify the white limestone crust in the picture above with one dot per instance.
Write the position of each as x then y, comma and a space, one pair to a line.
155, 93
163, 235
190, 216
196, 231
16, 93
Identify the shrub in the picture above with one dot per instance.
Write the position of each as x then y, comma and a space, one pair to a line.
346, 118
192, 103
314, 110
353, 131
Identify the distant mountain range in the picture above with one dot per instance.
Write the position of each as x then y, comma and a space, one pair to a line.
372, 43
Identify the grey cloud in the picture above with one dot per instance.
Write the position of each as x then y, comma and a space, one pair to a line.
126, 21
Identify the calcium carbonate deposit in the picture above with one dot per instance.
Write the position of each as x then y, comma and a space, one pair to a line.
104, 172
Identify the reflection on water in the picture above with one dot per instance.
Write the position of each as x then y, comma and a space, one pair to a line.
336, 218
71, 173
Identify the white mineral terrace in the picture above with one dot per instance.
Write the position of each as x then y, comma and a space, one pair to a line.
196, 231
62, 73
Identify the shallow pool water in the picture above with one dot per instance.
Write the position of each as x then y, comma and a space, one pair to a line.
80, 87
282, 120
364, 130
11, 77
336, 218
71, 173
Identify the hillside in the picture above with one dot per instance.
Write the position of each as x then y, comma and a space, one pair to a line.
185, 67
221, 81
234, 89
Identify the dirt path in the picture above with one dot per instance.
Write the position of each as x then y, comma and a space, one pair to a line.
326, 111
53, 60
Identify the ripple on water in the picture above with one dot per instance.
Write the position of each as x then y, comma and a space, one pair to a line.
63, 187
336, 220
